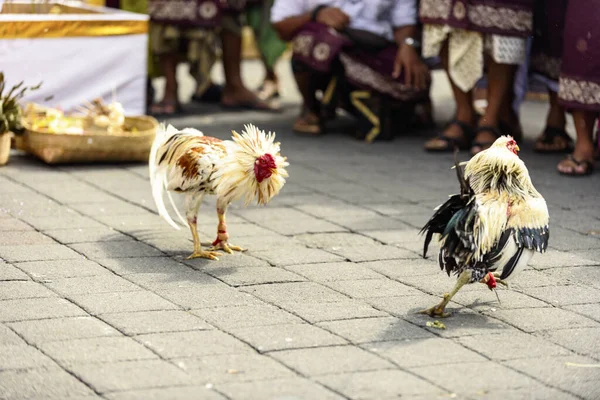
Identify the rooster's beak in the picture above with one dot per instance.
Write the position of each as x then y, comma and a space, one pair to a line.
517, 147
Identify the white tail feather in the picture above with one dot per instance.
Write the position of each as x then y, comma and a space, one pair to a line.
158, 178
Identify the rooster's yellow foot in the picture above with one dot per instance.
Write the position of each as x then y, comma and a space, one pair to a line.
227, 247
500, 281
211, 255
438, 311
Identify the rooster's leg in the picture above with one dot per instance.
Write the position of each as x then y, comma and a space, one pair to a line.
192, 204
222, 240
438, 310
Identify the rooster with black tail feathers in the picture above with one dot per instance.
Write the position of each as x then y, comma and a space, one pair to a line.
490, 231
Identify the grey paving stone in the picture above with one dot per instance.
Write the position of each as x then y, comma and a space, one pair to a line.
285, 256
96, 350
287, 221
537, 391
463, 322
585, 390
131, 375
57, 329
397, 208
458, 377
118, 302
168, 393
331, 360
26, 309
387, 384
286, 336
193, 344
9, 338
141, 265
566, 295
136, 323
334, 240
557, 259
366, 222
297, 292
584, 276
23, 290
211, 295
360, 289
177, 279
375, 329
589, 310
487, 301
49, 270
567, 373
568, 240
522, 345
233, 368
326, 272
13, 224
245, 316
11, 273
95, 251
83, 235
332, 208
404, 305
331, 311
540, 319
277, 389
106, 283
111, 207
23, 357
423, 351
72, 221
51, 383
236, 260
372, 253
398, 269
38, 252
264, 242
22, 238
254, 276
580, 340
440, 284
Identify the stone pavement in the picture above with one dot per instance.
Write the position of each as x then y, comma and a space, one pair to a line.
97, 301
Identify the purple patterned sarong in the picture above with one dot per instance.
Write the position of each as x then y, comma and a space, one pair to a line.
318, 46
197, 13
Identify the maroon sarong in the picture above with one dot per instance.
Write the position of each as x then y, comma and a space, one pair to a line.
579, 83
502, 17
549, 26
318, 46
197, 13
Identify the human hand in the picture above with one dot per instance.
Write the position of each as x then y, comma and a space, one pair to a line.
416, 73
333, 17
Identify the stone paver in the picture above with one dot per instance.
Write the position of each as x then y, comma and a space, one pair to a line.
98, 301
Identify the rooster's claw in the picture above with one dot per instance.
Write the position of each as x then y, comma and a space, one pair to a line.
226, 247
211, 255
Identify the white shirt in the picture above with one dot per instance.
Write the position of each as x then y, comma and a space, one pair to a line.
378, 16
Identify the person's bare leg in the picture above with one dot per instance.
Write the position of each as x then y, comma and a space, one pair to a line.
584, 145
556, 119
464, 109
500, 80
308, 121
168, 65
235, 92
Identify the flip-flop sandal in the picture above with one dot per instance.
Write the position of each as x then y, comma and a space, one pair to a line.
177, 110
268, 91
589, 167
452, 143
248, 106
548, 138
307, 128
211, 95
484, 145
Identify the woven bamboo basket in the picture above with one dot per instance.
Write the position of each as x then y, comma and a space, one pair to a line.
66, 148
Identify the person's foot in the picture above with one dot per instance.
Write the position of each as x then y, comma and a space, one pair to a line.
456, 134
485, 136
243, 99
580, 162
308, 123
211, 94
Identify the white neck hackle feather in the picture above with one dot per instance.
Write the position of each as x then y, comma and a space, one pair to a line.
235, 176
500, 178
